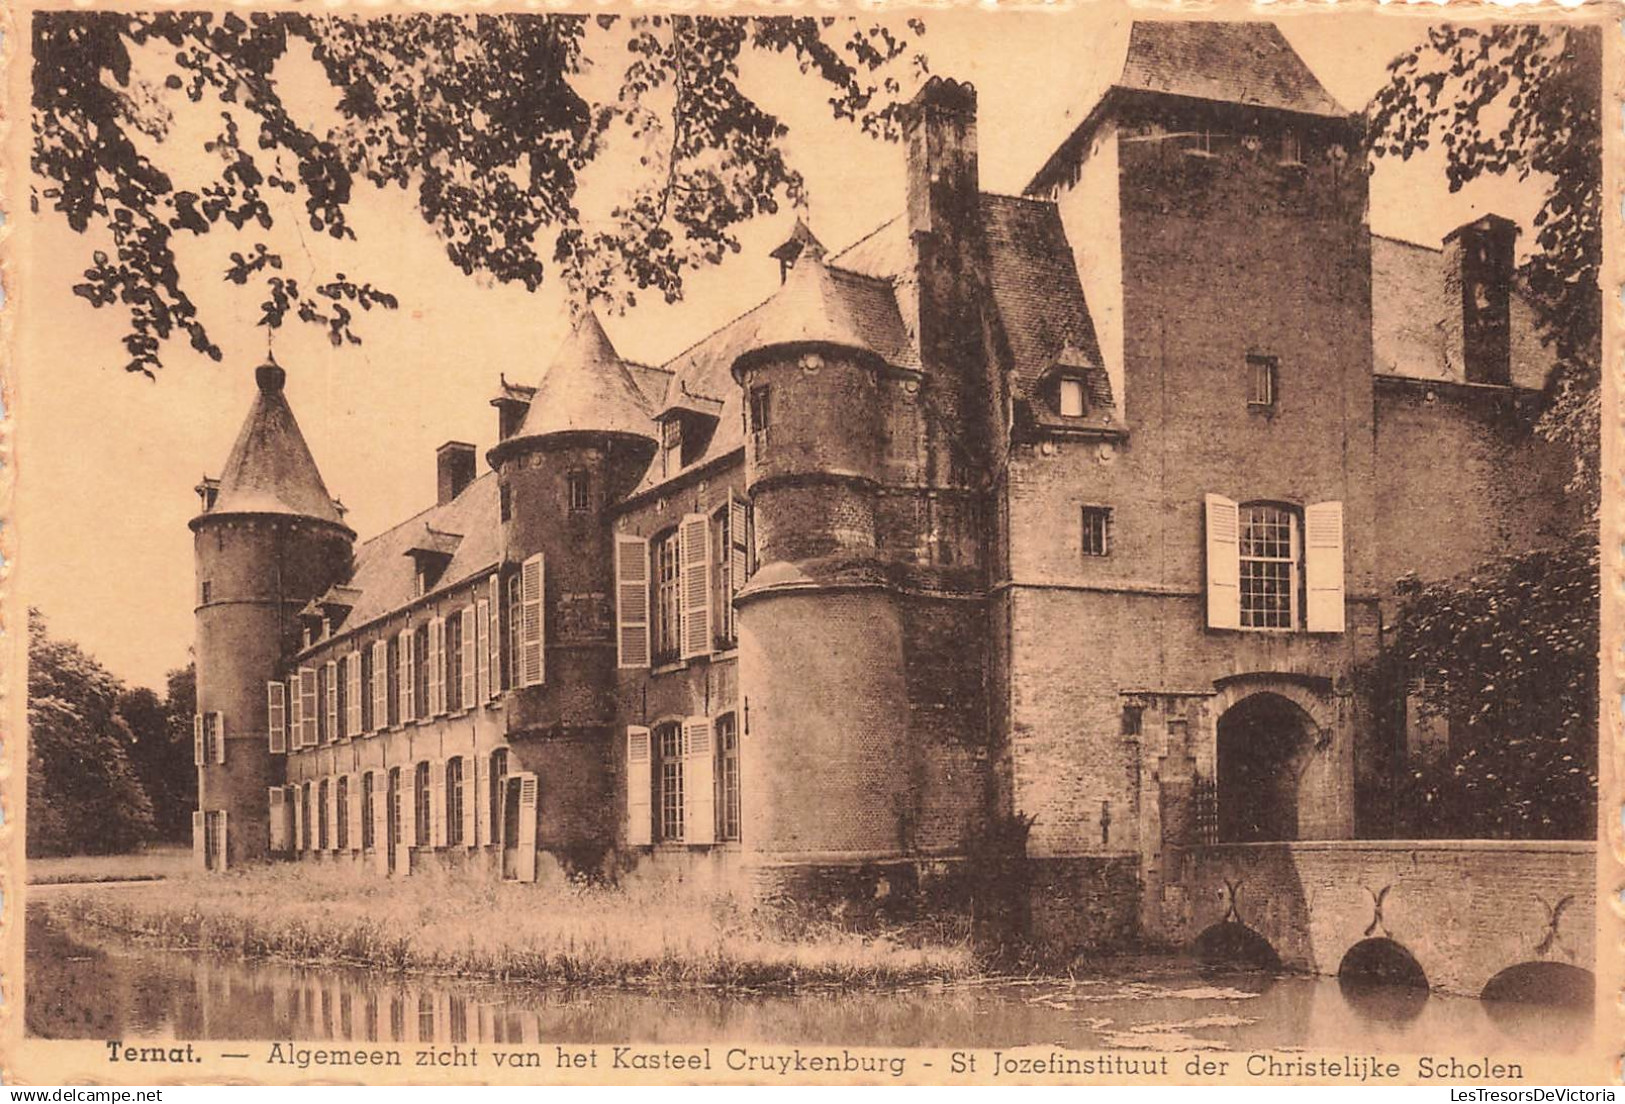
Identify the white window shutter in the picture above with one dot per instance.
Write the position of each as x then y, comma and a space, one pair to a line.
1223, 563
639, 819
699, 782
408, 675
332, 700
1323, 566
437, 803
276, 717
471, 649
298, 818
277, 799
215, 730
525, 866
292, 697
198, 758
353, 703
200, 856
493, 678
380, 685
469, 803
631, 601
354, 812
694, 581
437, 675
738, 561
481, 661
532, 635
307, 706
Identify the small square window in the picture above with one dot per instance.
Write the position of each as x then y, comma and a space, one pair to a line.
579, 491
1132, 717
1261, 382
1072, 398
1097, 530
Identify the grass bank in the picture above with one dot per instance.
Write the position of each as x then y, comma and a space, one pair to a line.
142, 866
649, 935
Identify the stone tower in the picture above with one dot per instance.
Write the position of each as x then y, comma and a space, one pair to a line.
269, 540
583, 444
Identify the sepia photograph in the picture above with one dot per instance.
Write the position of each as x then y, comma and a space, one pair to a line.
881, 546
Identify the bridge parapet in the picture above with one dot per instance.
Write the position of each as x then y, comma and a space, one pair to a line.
1465, 909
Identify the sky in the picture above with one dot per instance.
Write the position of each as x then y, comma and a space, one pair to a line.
106, 462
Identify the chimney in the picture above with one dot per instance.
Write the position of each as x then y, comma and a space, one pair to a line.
454, 462
1478, 285
940, 129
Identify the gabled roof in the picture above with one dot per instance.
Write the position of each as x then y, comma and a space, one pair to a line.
587, 387
1247, 62
270, 469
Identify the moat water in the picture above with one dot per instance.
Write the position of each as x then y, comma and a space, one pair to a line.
89, 984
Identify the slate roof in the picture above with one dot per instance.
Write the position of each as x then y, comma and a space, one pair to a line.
1247, 62
587, 387
269, 469
386, 576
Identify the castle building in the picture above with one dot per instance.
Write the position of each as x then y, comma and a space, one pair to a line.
1077, 509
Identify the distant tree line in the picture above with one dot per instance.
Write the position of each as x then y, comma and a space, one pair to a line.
109, 766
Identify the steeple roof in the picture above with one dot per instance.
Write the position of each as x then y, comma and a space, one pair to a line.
587, 388
270, 469
811, 308
1247, 62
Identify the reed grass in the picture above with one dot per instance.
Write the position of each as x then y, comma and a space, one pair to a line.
153, 863
655, 934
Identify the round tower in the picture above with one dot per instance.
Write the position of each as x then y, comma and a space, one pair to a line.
825, 763
270, 539
584, 443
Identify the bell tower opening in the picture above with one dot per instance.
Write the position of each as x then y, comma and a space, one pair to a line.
1263, 742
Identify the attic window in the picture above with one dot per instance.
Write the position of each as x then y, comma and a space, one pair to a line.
1261, 382
1071, 397
1291, 147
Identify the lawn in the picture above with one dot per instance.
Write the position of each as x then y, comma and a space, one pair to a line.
646, 934
153, 863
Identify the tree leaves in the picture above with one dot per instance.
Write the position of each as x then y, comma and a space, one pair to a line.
485, 118
1525, 100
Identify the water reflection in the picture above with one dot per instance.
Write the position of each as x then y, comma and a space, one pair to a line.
86, 984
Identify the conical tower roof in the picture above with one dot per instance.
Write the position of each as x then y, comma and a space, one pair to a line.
808, 309
270, 469
587, 388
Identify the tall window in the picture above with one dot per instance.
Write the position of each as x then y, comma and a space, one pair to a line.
1097, 530
505, 501
323, 713
452, 663
669, 778
392, 808
1261, 382
368, 721
516, 630
1269, 566
392, 680
368, 839
668, 607
454, 802
341, 814
499, 781
423, 804
304, 814
761, 412
341, 699
578, 490
420, 671
727, 777
322, 842
727, 585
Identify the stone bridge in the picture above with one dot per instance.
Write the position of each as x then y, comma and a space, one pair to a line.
1465, 911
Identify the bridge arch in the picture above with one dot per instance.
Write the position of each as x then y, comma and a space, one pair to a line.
1231, 941
1264, 742
1543, 982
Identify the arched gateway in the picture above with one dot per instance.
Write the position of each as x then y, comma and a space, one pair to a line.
1264, 745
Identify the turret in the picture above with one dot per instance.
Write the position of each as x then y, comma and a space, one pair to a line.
820, 629
268, 540
585, 440
1479, 274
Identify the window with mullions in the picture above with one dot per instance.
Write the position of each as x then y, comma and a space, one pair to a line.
727, 739
1269, 567
669, 781
454, 802
668, 603
423, 805
1262, 382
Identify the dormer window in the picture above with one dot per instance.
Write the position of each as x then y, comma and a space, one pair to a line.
1071, 397
671, 445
